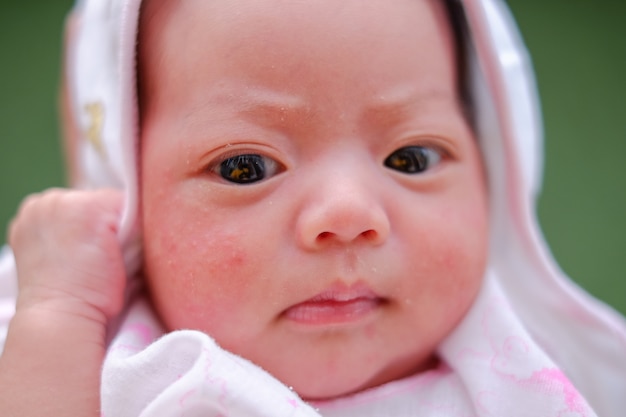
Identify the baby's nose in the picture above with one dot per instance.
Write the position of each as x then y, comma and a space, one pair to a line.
342, 212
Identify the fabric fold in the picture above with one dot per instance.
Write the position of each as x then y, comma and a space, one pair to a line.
151, 374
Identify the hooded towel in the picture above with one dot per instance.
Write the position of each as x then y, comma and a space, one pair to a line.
533, 344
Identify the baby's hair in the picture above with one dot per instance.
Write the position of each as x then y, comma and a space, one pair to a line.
140, 79
460, 32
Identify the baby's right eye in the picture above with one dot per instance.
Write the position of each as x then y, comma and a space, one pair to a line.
247, 168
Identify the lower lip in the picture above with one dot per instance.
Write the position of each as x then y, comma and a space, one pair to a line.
332, 312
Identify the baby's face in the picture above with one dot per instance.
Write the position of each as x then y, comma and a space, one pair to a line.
313, 197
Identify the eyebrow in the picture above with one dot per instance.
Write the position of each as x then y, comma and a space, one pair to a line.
265, 111
258, 102
254, 104
261, 104
396, 105
401, 98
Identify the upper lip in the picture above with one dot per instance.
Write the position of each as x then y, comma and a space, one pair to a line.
341, 292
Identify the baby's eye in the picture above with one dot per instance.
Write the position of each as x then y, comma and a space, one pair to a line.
247, 168
413, 159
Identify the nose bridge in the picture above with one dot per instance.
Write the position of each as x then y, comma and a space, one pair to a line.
344, 205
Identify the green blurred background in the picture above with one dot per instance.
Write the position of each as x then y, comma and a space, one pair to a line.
579, 52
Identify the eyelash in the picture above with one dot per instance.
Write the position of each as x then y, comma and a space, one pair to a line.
249, 168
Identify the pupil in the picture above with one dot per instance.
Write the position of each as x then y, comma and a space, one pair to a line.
243, 169
412, 159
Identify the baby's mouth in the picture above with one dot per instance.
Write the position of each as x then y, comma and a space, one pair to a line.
338, 304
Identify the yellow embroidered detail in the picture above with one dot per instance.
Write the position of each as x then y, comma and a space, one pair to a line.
96, 124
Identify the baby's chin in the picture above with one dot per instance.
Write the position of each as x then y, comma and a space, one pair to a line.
346, 382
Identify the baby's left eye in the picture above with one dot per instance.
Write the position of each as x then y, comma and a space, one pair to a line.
413, 159
247, 168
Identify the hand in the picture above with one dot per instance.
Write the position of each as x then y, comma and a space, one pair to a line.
71, 283
67, 253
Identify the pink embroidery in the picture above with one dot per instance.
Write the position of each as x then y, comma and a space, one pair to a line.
484, 402
548, 386
185, 397
514, 368
554, 382
511, 359
223, 389
214, 380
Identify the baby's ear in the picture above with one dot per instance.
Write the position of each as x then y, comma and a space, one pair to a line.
70, 132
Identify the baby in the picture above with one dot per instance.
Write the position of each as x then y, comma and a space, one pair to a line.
312, 198
310, 193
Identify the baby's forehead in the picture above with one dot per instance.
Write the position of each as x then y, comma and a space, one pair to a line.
366, 73
243, 16
341, 36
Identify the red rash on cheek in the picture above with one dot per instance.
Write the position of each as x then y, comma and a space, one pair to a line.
199, 272
213, 261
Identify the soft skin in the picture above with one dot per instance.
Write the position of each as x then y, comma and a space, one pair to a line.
71, 284
329, 90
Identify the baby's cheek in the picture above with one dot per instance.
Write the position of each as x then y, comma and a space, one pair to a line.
204, 280
451, 267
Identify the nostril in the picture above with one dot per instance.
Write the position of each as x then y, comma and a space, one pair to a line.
370, 234
324, 236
